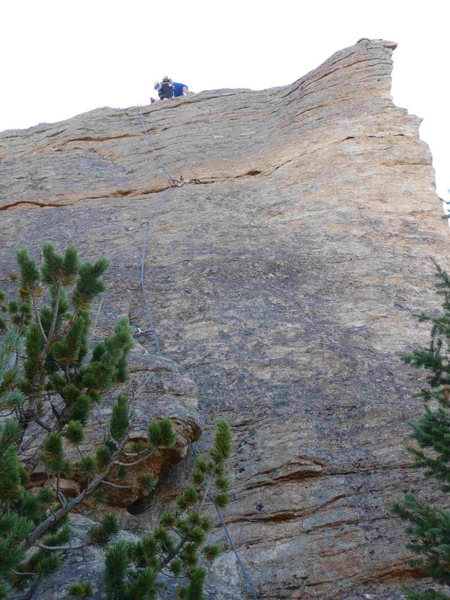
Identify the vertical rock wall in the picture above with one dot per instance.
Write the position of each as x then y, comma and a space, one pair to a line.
283, 277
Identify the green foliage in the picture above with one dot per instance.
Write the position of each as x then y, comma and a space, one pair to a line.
116, 563
161, 434
45, 497
119, 422
211, 552
80, 590
67, 351
222, 442
194, 590
53, 455
29, 273
188, 498
222, 499
60, 537
103, 455
25, 513
428, 595
88, 467
79, 411
101, 534
47, 565
50, 320
53, 316
429, 525
74, 433
177, 546
142, 585
89, 284
147, 482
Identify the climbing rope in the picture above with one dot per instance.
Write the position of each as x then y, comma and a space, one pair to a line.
152, 329
178, 183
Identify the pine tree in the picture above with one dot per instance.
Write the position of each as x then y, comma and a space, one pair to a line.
51, 316
48, 327
429, 523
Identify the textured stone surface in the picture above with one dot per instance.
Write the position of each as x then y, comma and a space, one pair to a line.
283, 284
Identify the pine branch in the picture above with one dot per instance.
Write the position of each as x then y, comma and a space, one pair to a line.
22, 573
59, 493
174, 553
3, 415
185, 538
54, 316
136, 462
115, 485
38, 317
60, 513
45, 547
39, 421
169, 575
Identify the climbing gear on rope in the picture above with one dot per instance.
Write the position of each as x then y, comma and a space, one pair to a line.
177, 182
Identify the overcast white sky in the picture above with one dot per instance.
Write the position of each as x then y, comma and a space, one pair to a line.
64, 57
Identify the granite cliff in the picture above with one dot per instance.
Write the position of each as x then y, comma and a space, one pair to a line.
283, 276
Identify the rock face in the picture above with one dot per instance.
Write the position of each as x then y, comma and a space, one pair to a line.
282, 279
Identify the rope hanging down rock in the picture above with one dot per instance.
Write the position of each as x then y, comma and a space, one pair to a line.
178, 183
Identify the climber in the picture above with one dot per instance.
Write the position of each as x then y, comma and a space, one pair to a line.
164, 88
180, 89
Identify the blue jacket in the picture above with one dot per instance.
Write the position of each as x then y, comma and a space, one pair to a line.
178, 89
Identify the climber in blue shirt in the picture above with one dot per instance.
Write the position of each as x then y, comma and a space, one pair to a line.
167, 89
179, 89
